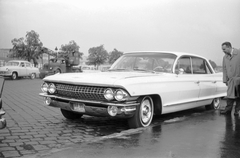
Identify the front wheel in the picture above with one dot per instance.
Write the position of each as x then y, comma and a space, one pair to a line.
58, 71
42, 75
214, 105
33, 76
70, 114
144, 114
14, 76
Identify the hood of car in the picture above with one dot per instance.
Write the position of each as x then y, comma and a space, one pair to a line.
101, 78
5, 68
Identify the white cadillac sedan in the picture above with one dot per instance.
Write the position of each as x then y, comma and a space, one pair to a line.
136, 87
19, 68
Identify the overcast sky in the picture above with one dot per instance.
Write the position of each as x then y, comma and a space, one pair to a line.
194, 26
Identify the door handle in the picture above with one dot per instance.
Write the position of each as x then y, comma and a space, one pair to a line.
214, 81
197, 82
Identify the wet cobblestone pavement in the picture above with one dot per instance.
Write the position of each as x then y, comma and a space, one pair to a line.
33, 127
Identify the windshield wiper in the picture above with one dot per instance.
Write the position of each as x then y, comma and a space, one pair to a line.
117, 69
137, 69
144, 70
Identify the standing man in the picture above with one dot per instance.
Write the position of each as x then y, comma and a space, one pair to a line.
231, 77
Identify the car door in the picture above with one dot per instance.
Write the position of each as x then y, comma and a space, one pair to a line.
188, 85
206, 79
63, 66
29, 69
22, 69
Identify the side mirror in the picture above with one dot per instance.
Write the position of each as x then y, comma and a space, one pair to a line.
180, 71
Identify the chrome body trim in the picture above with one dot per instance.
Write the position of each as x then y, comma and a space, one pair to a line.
96, 108
125, 104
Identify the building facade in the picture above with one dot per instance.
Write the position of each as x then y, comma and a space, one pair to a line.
4, 56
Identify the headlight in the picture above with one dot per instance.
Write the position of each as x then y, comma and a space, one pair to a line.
44, 87
51, 88
8, 71
120, 95
50, 68
108, 94
112, 110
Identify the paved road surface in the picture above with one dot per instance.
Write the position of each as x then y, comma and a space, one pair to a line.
35, 130
33, 127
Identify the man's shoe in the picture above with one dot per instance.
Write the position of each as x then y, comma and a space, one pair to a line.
225, 112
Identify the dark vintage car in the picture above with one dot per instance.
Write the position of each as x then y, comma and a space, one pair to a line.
59, 65
2, 120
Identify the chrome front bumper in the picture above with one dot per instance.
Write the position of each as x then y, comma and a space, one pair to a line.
6, 75
3, 122
95, 108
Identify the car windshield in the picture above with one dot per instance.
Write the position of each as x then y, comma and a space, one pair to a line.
146, 62
13, 63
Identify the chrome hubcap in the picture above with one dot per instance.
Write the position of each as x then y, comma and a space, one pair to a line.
216, 103
146, 113
57, 71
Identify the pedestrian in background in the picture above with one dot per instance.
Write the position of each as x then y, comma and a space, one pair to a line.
231, 77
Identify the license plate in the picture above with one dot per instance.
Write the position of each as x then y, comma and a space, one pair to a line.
80, 107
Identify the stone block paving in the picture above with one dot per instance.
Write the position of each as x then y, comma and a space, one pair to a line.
33, 127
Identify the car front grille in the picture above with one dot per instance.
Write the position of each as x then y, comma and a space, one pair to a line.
81, 92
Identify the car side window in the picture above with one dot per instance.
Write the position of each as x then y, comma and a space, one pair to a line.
22, 64
209, 71
184, 66
28, 65
200, 66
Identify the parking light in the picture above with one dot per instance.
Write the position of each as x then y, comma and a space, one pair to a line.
112, 110
47, 100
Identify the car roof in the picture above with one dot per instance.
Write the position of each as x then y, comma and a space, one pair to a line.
170, 52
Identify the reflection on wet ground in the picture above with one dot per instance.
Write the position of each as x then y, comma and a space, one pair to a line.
231, 142
34, 128
100, 126
195, 133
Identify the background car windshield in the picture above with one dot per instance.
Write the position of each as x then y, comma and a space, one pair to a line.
158, 62
12, 63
